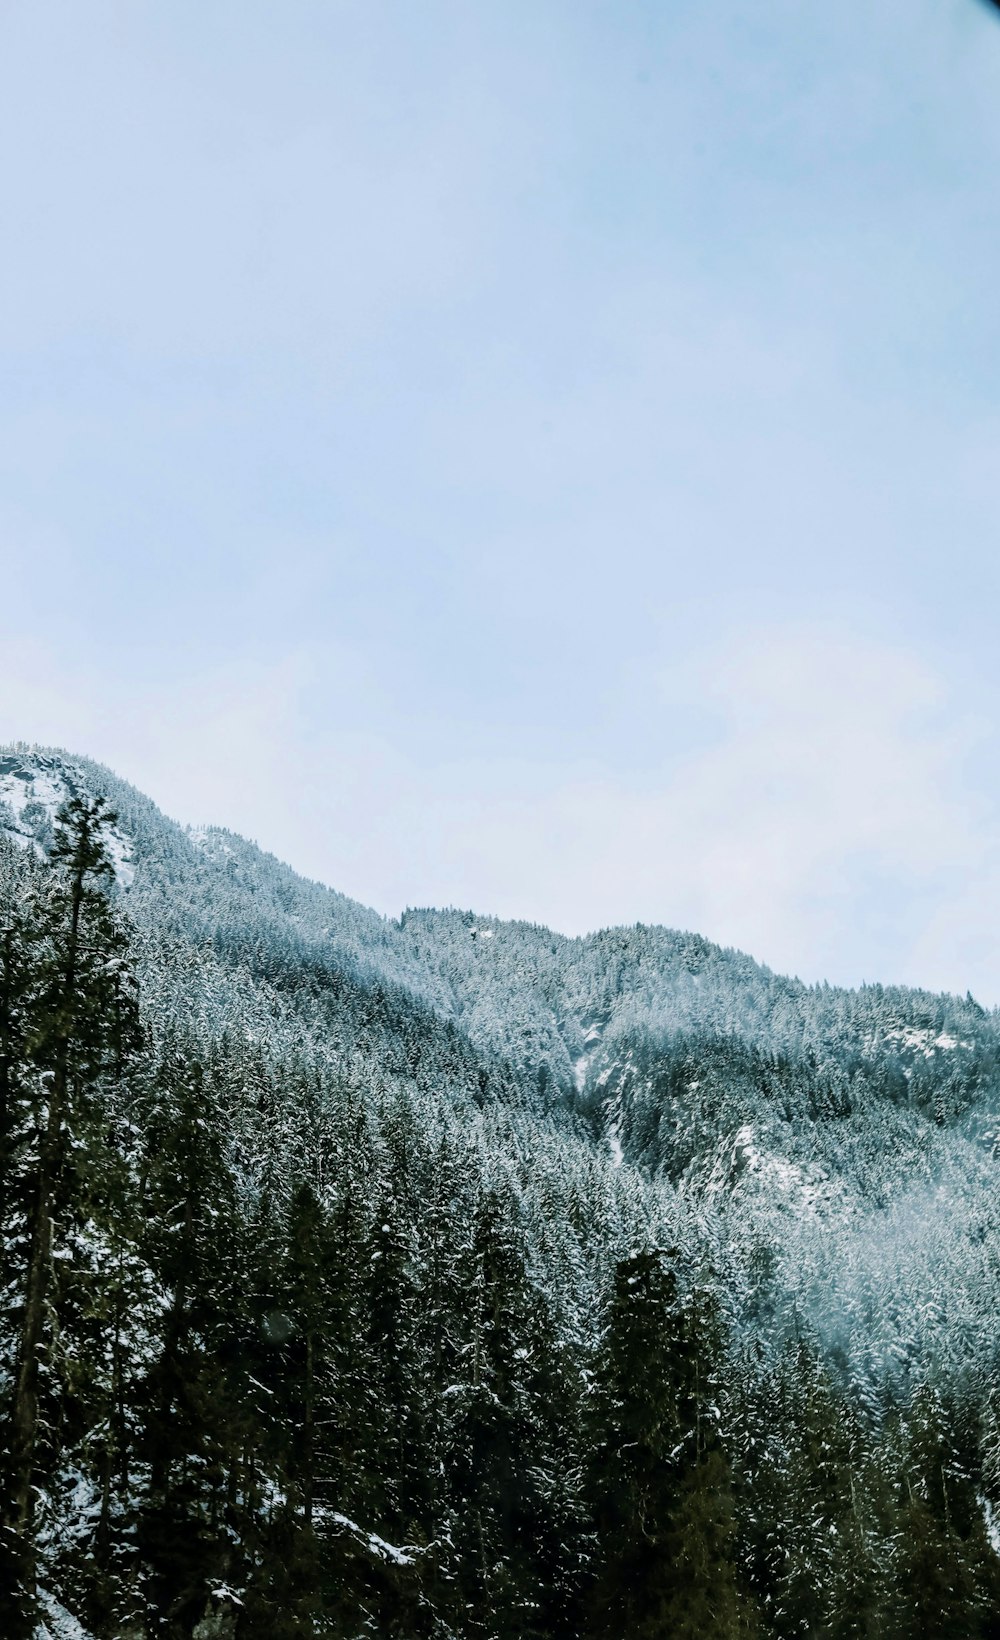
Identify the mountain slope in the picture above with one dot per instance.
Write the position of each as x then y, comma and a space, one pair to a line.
601, 1027
485, 1108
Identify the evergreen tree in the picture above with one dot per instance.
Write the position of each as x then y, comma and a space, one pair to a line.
20, 1095
946, 1571
659, 1481
489, 1432
198, 1417
78, 1024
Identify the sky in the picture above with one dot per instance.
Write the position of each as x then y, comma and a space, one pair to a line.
540, 456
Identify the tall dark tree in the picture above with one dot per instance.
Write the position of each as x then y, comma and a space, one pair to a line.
197, 1413
20, 1094
490, 1430
81, 1026
660, 1483
946, 1570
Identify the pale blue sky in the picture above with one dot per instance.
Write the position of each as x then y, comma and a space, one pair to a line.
537, 456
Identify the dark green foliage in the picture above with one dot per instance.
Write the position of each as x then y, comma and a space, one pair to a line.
69, 1025
659, 1479
945, 1571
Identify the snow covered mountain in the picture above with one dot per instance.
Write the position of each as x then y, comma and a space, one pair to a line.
827, 1159
33, 787
663, 1042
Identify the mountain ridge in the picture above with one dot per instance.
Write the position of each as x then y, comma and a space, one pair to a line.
449, 926
584, 1025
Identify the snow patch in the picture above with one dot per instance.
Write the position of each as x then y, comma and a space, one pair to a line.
592, 1030
375, 1544
33, 789
922, 1041
211, 841
806, 1187
58, 1623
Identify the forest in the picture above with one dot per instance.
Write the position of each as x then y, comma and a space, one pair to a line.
443, 1278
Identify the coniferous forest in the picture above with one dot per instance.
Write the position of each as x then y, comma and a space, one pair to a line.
441, 1277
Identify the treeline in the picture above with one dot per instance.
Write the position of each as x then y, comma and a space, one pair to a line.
283, 1356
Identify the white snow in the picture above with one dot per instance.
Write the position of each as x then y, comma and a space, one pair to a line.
923, 1041
121, 857
58, 1624
377, 1545
33, 780
581, 1067
807, 1187
26, 784
210, 840
222, 1591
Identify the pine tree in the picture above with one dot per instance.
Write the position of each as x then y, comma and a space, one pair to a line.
556, 1534
82, 1026
293, 1366
490, 1431
807, 1503
946, 1571
198, 1417
659, 1480
20, 1094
